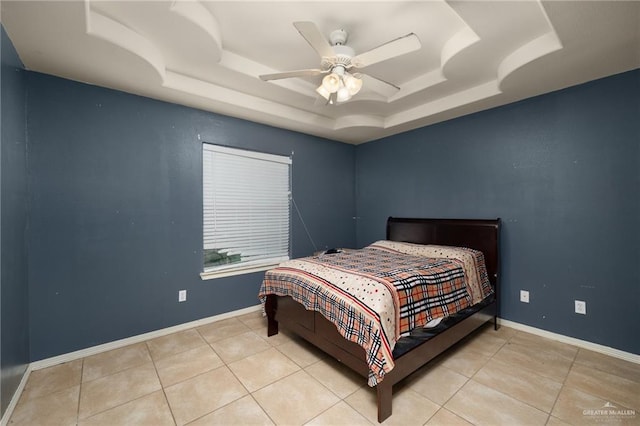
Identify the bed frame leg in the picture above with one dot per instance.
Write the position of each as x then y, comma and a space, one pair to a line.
384, 401
270, 307
495, 323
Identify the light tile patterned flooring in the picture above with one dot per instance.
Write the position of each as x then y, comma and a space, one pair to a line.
230, 373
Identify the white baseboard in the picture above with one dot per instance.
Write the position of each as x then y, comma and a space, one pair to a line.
606, 350
72, 356
16, 396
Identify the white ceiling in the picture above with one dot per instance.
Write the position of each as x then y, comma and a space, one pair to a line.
208, 54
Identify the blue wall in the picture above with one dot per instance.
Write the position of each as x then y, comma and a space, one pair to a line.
116, 211
562, 170
14, 355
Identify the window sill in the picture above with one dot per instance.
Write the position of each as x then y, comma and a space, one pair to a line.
210, 275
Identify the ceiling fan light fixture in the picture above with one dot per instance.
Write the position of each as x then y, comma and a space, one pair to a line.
343, 94
352, 83
331, 82
322, 91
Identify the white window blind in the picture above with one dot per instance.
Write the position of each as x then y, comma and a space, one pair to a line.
245, 208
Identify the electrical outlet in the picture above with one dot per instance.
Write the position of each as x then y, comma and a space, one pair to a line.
581, 307
182, 295
524, 296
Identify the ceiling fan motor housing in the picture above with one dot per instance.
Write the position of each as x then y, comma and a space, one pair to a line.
338, 37
343, 55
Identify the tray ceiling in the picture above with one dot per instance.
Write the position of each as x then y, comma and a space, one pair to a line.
208, 54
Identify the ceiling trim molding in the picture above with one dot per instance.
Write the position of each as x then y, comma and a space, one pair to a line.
535, 49
209, 54
460, 41
471, 95
199, 15
111, 31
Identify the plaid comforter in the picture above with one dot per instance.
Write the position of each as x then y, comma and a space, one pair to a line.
377, 294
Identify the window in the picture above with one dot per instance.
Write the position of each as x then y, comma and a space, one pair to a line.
246, 210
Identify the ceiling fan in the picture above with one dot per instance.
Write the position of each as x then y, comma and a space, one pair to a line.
339, 61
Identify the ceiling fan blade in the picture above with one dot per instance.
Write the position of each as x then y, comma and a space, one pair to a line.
314, 37
290, 74
379, 86
392, 49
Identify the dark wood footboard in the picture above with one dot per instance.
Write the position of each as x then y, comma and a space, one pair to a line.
313, 327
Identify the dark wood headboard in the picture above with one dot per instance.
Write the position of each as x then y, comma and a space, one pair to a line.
478, 234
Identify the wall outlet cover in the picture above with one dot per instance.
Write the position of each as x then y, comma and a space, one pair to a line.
581, 307
524, 296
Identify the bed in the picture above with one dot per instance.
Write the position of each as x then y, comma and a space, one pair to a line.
403, 347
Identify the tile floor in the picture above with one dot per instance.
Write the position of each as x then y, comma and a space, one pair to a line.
230, 373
